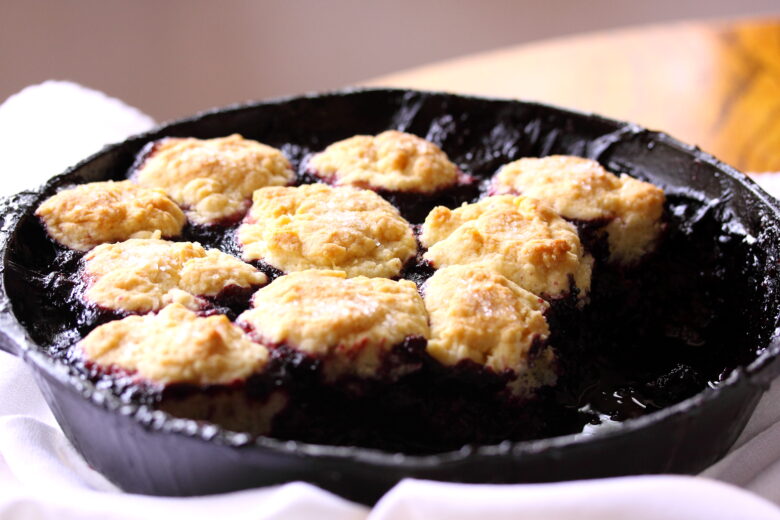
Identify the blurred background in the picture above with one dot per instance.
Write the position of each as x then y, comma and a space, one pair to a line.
171, 58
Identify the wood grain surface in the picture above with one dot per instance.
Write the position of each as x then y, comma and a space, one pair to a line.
716, 84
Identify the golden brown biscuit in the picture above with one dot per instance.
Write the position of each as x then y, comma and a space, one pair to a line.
350, 323
581, 189
392, 160
479, 315
85, 216
213, 179
142, 275
320, 227
524, 239
176, 346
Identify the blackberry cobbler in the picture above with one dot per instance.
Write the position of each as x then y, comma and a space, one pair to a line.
374, 293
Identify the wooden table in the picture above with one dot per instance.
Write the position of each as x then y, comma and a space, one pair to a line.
713, 84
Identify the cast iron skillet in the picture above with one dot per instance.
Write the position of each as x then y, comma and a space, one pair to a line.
146, 451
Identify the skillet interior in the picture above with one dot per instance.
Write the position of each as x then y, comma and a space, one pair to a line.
480, 134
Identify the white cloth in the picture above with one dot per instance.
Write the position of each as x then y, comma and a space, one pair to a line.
42, 477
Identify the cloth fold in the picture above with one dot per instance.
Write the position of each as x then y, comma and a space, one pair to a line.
42, 476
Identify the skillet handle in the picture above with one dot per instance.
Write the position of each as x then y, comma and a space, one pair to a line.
11, 210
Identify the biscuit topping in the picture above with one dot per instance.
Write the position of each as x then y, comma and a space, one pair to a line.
479, 315
213, 179
91, 214
319, 227
522, 238
581, 189
392, 160
142, 275
176, 346
349, 323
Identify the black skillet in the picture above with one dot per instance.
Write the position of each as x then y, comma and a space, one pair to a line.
147, 451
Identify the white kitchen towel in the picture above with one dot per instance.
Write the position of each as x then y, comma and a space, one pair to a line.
42, 477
